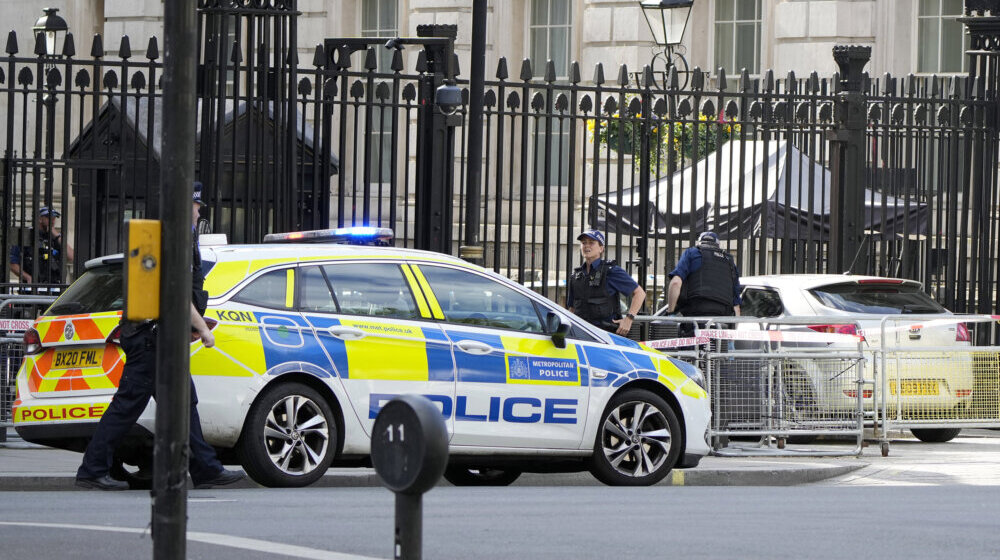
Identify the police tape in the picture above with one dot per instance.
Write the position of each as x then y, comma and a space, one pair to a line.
704, 336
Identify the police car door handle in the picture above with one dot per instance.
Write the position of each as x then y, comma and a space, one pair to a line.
474, 347
346, 333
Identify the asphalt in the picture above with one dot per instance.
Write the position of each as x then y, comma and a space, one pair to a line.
972, 458
28, 467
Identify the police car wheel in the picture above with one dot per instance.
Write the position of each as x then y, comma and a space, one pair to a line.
466, 476
289, 438
638, 441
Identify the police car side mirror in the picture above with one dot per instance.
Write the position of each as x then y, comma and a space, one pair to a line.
557, 328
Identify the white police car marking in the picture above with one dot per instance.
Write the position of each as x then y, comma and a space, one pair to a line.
516, 410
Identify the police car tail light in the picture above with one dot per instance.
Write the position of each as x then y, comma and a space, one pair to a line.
115, 337
32, 342
961, 333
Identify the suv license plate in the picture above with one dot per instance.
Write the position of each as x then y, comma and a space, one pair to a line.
910, 387
74, 359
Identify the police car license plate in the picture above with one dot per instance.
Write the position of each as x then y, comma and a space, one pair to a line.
909, 387
82, 358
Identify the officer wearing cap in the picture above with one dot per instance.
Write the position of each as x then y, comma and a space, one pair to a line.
595, 285
51, 252
138, 340
705, 282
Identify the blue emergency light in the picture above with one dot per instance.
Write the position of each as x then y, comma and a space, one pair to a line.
358, 235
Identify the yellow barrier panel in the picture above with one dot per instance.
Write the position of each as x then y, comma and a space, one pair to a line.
142, 270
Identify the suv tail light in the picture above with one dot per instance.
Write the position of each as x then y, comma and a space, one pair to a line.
961, 333
32, 342
836, 329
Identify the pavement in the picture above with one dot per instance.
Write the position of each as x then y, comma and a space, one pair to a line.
972, 458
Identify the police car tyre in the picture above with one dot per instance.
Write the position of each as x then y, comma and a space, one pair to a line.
289, 438
470, 476
638, 440
935, 435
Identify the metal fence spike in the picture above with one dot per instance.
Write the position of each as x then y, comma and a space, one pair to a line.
97, 46
599, 74
152, 49
39, 44
526, 73
723, 85
125, 48
623, 75
574, 72
319, 57
550, 72
11, 47
69, 46
502, 73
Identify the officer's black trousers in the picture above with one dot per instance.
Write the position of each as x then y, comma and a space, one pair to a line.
137, 386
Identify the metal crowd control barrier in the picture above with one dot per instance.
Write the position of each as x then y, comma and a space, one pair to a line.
930, 383
17, 313
776, 381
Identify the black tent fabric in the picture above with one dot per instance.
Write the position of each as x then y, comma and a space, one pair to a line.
751, 189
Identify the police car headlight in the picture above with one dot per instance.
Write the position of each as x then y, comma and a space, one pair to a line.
693, 373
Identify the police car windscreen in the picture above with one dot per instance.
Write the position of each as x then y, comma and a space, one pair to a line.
99, 289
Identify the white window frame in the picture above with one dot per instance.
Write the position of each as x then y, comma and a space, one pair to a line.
917, 41
538, 68
759, 44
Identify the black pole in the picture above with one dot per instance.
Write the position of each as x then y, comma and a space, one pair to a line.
847, 146
173, 394
472, 251
409, 527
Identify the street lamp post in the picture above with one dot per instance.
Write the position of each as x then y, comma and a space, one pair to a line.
50, 31
667, 20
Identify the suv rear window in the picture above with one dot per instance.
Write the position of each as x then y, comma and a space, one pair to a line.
884, 299
99, 289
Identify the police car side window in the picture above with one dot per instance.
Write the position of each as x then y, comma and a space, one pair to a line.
315, 293
471, 299
268, 290
373, 289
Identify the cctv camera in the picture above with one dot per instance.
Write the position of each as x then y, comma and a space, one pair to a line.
448, 98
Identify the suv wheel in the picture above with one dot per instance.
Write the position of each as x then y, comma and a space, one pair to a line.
289, 438
638, 440
935, 435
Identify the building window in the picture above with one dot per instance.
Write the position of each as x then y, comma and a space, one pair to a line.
379, 19
941, 38
549, 30
737, 35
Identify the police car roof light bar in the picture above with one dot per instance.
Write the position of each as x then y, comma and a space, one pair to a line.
359, 235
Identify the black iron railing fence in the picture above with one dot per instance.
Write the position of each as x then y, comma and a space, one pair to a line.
880, 175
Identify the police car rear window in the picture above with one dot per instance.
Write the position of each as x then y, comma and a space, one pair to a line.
99, 289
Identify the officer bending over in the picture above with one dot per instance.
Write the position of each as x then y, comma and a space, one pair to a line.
705, 283
138, 381
594, 288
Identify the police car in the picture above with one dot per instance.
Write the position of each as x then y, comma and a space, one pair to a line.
312, 339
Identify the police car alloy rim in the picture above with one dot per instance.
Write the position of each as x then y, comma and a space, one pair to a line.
636, 438
296, 435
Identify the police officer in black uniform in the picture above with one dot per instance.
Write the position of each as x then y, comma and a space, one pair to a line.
595, 285
136, 387
52, 252
705, 283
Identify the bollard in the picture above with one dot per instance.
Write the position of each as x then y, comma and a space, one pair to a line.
409, 453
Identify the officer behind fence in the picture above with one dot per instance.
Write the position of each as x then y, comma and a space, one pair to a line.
594, 288
51, 252
705, 283
136, 387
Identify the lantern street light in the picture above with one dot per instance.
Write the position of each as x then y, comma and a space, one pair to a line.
54, 27
667, 21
